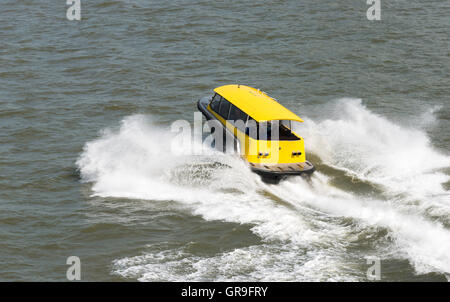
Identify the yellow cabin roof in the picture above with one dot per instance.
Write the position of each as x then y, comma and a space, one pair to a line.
256, 103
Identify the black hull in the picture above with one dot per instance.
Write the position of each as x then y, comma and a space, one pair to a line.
274, 177
202, 105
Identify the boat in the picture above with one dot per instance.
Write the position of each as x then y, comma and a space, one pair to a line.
260, 129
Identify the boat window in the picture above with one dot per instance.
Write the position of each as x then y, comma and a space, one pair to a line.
265, 130
236, 115
251, 128
284, 133
224, 108
215, 103
286, 124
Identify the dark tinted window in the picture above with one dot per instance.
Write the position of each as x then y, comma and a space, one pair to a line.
224, 108
286, 124
251, 128
215, 103
237, 114
264, 131
275, 131
286, 133
238, 117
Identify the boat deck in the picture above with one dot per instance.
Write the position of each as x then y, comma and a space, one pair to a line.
289, 168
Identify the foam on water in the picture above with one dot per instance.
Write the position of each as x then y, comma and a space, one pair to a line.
263, 263
304, 236
424, 242
375, 149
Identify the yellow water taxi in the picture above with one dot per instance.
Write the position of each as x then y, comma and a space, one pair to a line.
261, 130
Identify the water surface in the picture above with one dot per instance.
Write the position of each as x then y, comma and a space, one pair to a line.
86, 109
